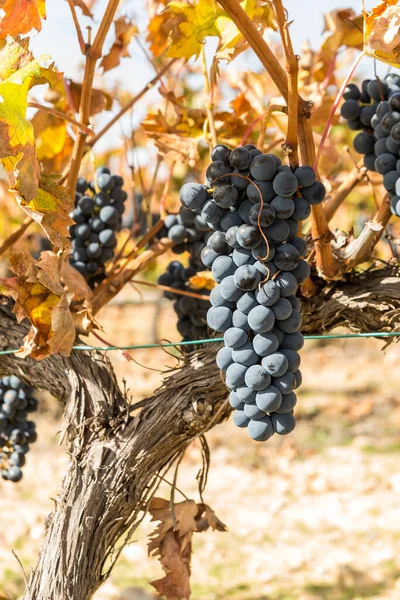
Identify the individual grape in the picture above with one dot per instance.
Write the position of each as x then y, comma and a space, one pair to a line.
285, 383
224, 358
177, 234
93, 250
229, 289
263, 252
283, 207
235, 337
253, 412
219, 318
262, 215
241, 256
240, 418
350, 109
263, 167
222, 267
302, 271
314, 193
392, 146
287, 404
261, 319
245, 355
244, 210
82, 232
282, 309
235, 402
351, 92
231, 219
394, 103
380, 146
382, 109
369, 161
240, 179
269, 400
292, 323
231, 237
293, 358
193, 195
379, 133
246, 394
248, 236
354, 124
378, 89
218, 172
286, 283
211, 212
220, 153
265, 188
363, 143
366, 115
302, 209
285, 184
385, 163
390, 180
275, 364
279, 231
283, 424
109, 215
247, 277
260, 430
389, 120
200, 223
235, 375
265, 344
240, 158
298, 379
268, 294
217, 242
298, 243
225, 195
286, 257
257, 378
246, 302
239, 319
305, 176
107, 238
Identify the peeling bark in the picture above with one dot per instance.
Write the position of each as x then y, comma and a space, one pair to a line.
118, 451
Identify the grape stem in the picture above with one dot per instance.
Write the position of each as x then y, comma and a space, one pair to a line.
292, 68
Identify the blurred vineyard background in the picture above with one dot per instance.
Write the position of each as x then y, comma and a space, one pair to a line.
313, 517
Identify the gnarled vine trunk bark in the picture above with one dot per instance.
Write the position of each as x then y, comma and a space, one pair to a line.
119, 451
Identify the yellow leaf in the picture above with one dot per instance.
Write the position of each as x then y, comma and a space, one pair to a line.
21, 16
381, 32
202, 280
199, 21
40, 297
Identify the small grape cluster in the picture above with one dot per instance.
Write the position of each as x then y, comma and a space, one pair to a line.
191, 312
98, 216
186, 229
16, 431
253, 203
376, 109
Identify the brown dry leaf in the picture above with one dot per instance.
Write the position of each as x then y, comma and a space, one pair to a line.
125, 30
202, 280
381, 32
84, 8
40, 297
100, 101
21, 16
81, 302
173, 546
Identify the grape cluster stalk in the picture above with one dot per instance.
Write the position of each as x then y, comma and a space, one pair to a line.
99, 206
17, 432
253, 205
375, 109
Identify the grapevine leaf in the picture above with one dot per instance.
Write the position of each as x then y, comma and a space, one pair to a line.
381, 32
50, 208
100, 100
21, 16
85, 10
40, 297
125, 30
53, 142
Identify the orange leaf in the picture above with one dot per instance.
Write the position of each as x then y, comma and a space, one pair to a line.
100, 100
202, 280
21, 16
381, 32
85, 10
125, 30
40, 297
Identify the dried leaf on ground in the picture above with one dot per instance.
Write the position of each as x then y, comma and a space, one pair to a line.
171, 542
21, 16
125, 30
381, 32
40, 297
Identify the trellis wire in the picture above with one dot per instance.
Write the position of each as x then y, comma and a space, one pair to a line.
337, 336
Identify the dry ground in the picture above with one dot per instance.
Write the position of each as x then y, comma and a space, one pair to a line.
315, 516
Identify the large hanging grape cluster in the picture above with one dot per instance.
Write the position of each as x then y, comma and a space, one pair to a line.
376, 110
253, 203
16, 431
98, 216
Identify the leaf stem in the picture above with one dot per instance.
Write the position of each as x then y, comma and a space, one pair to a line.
61, 115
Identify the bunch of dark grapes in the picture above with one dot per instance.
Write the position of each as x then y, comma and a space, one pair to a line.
191, 312
376, 109
253, 203
16, 431
186, 229
98, 216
